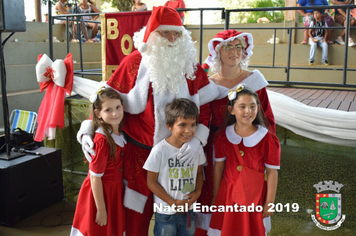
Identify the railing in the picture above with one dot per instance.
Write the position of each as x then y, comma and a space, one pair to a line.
76, 19
225, 13
288, 68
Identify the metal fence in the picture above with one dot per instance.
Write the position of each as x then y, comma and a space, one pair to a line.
225, 14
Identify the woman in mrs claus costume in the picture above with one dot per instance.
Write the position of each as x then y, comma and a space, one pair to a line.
230, 51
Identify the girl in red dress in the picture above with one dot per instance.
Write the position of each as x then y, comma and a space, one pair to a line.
230, 51
100, 209
260, 151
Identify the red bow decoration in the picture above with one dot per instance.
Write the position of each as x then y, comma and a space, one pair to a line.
49, 73
57, 78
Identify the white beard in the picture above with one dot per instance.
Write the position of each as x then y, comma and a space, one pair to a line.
169, 64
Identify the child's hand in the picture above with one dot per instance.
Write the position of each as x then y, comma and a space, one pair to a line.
101, 218
180, 202
265, 212
315, 40
192, 197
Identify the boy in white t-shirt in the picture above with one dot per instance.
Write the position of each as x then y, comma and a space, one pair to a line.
175, 186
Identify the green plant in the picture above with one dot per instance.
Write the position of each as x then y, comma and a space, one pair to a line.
237, 17
272, 16
252, 17
122, 5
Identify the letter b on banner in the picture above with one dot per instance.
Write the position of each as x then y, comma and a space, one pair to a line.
112, 31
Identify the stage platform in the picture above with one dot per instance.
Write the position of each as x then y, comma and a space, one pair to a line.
325, 98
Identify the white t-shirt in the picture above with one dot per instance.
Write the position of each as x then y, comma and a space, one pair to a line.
176, 179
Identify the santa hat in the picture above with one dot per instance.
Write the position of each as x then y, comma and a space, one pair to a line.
162, 18
228, 36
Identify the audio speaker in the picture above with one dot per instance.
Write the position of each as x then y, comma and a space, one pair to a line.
12, 16
29, 184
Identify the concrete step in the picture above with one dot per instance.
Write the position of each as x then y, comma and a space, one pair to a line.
263, 53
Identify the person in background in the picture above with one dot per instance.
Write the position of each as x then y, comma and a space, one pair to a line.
86, 6
244, 141
230, 51
340, 17
308, 16
138, 6
175, 4
60, 8
317, 36
175, 185
100, 209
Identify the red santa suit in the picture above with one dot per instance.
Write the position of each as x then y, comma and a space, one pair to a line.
144, 106
145, 126
261, 149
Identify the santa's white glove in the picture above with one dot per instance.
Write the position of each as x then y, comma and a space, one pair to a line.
87, 146
189, 151
85, 138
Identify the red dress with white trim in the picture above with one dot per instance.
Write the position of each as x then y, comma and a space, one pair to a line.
111, 173
257, 83
261, 150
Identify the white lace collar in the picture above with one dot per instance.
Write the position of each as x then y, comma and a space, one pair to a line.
249, 141
119, 139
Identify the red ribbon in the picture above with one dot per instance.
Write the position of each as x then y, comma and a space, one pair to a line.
49, 73
51, 111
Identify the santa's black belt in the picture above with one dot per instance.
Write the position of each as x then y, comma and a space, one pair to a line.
133, 141
214, 128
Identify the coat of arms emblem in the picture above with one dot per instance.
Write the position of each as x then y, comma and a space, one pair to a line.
328, 206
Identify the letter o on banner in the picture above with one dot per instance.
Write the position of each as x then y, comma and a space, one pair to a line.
126, 51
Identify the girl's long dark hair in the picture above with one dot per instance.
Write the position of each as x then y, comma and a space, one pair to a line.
107, 93
260, 118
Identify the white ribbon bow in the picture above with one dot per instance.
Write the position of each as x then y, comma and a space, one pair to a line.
47, 70
233, 92
94, 96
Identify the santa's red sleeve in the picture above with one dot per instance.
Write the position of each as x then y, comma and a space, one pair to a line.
124, 77
207, 92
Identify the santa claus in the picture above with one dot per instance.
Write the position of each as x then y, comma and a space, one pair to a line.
164, 67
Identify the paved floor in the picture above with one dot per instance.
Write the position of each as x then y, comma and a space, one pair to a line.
55, 220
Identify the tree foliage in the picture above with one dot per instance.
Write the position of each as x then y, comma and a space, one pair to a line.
237, 17
252, 17
272, 16
122, 5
